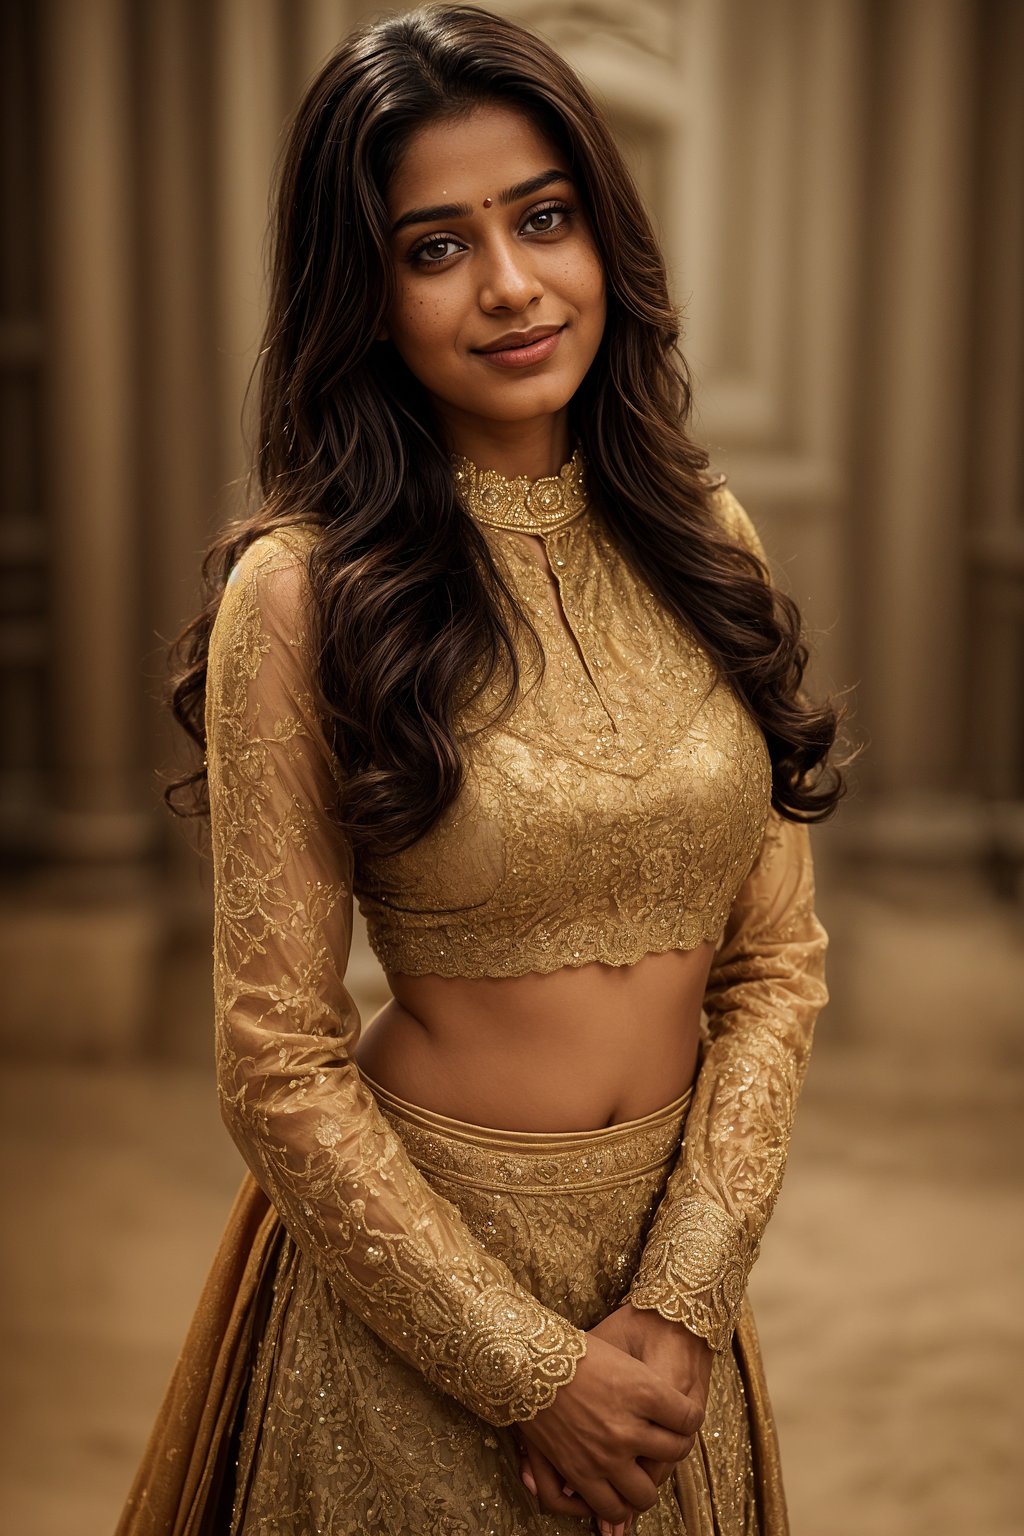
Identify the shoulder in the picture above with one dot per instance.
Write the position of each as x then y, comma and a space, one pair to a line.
735, 522
271, 576
265, 604
276, 564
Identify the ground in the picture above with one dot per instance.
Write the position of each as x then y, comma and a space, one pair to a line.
887, 1293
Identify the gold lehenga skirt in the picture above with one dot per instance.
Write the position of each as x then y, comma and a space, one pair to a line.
287, 1416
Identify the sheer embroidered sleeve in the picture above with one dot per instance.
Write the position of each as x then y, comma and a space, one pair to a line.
308, 1127
765, 990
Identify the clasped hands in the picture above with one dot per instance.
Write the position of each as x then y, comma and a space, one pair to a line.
614, 1433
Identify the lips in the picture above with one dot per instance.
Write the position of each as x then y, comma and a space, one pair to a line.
522, 349
514, 340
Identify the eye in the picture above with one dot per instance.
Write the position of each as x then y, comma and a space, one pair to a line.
434, 250
549, 218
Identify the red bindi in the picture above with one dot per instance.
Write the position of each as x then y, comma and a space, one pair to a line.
487, 202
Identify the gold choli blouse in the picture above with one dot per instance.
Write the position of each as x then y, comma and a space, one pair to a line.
617, 811
622, 808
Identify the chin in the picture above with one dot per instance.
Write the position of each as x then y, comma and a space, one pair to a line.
528, 399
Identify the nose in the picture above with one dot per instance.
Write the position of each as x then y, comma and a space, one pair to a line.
508, 280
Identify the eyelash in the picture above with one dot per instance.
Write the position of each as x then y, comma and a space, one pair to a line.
416, 254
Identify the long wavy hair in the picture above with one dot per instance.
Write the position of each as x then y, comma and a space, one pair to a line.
406, 601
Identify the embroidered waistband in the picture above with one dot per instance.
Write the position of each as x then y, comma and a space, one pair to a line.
486, 1156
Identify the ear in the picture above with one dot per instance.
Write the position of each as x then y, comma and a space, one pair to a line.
383, 334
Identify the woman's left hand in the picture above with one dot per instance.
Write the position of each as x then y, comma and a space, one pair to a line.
681, 1357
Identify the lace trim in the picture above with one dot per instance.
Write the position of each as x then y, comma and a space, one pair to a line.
695, 1272
458, 953
765, 990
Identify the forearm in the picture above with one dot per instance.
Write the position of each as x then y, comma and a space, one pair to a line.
764, 995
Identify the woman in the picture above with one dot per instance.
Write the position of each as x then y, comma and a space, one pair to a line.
499, 658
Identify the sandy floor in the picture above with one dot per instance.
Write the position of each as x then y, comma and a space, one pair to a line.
888, 1290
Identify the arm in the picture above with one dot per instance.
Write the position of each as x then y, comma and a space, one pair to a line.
309, 1129
764, 992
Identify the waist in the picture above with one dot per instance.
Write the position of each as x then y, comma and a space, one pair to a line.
580, 1048
494, 1157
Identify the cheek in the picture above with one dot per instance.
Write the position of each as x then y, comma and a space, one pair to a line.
421, 322
588, 294
592, 282
582, 282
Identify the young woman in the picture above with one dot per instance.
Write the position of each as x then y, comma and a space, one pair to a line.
498, 657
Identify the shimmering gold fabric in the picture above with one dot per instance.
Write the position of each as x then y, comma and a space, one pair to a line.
765, 990
622, 809
291, 1096
618, 809
520, 504
289, 1417
341, 1437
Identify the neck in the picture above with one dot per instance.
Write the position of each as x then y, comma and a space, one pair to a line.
531, 448
541, 504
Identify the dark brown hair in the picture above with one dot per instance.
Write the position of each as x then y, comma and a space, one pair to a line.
406, 599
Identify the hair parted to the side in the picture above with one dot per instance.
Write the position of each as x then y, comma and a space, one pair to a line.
406, 600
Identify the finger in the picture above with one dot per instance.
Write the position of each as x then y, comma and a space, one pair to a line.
672, 1409
525, 1470
659, 1444
657, 1471
550, 1485
635, 1489
608, 1504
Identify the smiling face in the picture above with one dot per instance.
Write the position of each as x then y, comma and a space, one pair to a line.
499, 303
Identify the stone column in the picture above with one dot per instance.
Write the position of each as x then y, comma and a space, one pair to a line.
249, 107
996, 460
912, 431
78, 944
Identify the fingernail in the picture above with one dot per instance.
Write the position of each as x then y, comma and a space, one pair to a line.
569, 1492
530, 1481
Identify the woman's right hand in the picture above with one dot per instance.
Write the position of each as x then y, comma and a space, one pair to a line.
614, 1410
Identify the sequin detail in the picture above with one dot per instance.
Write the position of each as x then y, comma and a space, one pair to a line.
341, 1438
308, 1127
521, 504
396, 1256
613, 814
764, 994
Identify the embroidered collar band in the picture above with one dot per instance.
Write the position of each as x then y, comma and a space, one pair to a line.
521, 504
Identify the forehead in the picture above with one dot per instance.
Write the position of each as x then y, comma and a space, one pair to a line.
467, 158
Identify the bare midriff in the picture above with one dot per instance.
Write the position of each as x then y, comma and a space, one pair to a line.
575, 1049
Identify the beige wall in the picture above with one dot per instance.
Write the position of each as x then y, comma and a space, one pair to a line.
838, 184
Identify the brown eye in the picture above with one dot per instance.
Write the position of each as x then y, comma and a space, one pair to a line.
432, 252
545, 220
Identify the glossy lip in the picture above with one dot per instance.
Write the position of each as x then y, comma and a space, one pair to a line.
519, 338
520, 349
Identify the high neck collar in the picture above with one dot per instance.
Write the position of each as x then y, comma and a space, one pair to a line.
521, 504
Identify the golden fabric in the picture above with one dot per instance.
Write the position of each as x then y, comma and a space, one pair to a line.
336, 1435
302, 1117
623, 808
618, 809
764, 993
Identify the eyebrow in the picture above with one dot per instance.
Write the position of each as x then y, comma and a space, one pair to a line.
442, 211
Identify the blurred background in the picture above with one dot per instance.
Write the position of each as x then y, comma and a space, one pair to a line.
839, 185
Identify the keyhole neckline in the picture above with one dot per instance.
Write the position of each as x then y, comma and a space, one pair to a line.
519, 503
